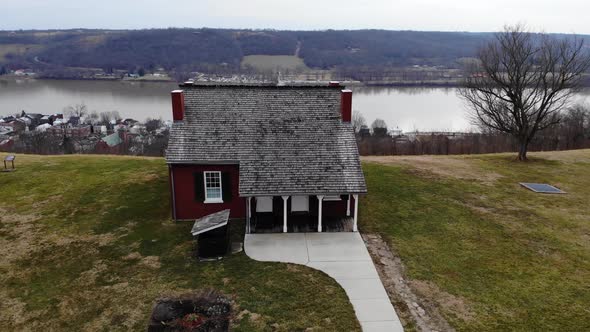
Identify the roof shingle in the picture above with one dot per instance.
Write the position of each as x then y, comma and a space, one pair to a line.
287, 140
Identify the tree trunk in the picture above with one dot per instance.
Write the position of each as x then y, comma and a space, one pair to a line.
524, 146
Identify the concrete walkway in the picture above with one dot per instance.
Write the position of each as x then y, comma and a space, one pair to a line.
344, 257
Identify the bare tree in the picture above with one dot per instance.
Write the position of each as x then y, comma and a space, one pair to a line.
78, 110
379, 127
378, 123
358, 120
92, 118
522, 81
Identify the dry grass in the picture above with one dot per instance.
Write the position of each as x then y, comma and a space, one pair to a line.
491, 254
87, 245
460, 167
274, 62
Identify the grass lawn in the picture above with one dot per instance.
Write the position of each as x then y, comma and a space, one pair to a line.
87, 244
492, 255
273, 62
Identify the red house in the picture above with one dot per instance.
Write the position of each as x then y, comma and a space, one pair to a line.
283, 157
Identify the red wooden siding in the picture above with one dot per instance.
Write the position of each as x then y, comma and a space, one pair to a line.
187, 207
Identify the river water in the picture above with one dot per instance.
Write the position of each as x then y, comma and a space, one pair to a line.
409, 108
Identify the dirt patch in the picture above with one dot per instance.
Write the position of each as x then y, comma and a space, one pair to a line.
455, 167
152, 261
132, 256
254, 317
89, 277
455, 304
412, 307
20, 236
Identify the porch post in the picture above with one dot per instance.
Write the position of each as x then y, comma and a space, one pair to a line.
248, 212
356, 213
348, 206
285, 198
320, 198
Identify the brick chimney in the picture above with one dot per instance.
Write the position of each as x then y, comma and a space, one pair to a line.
346, 105
177, 105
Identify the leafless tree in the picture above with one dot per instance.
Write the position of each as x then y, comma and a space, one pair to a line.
92, 118
379, 123
78, 110
358, 120
379, 127
523, 81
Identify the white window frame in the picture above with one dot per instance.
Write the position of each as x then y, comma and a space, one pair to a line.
215, 199
299, 203
264, 204
332, 198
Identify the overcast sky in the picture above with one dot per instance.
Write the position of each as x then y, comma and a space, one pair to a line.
568, 16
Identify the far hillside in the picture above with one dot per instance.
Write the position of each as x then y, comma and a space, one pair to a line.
357, 54
218, 50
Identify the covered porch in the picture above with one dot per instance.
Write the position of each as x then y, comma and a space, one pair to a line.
302, 213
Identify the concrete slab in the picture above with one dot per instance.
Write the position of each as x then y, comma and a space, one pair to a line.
363, 289
344, 257
346, 270
331, 247
385, 326
372, 310
277, 247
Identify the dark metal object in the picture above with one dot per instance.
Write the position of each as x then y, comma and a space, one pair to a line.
213, 235
542, 188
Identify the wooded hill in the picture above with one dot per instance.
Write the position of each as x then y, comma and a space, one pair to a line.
219, 49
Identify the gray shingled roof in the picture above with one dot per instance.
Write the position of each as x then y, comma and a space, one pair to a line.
286, 140
210, 222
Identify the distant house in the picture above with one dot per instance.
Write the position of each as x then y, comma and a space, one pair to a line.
46, 119
74, 120
35, 118
269, 154
15, 126
6, 144
75, 132
111, 144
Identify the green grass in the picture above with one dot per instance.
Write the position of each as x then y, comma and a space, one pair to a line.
87, 244
274, 62
491, 255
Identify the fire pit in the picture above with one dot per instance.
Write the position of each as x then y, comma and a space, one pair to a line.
204, 311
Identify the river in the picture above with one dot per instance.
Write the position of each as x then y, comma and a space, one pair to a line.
409, 108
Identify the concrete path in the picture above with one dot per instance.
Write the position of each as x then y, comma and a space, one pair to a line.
344, 257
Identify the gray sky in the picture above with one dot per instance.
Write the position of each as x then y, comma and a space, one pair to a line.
568, 16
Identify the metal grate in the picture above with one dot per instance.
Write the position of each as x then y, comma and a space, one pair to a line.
542, 188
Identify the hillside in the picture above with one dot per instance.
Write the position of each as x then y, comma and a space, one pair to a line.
221, 49
486, 253
88, 245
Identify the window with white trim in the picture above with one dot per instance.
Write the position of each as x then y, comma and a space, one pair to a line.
332, 198
299, 203
213, 187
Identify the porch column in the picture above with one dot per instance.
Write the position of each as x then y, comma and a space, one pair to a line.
320, 198
348, 206
248, 213
285, 198
356, 213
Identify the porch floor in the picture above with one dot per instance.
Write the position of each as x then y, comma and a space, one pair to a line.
299, 224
